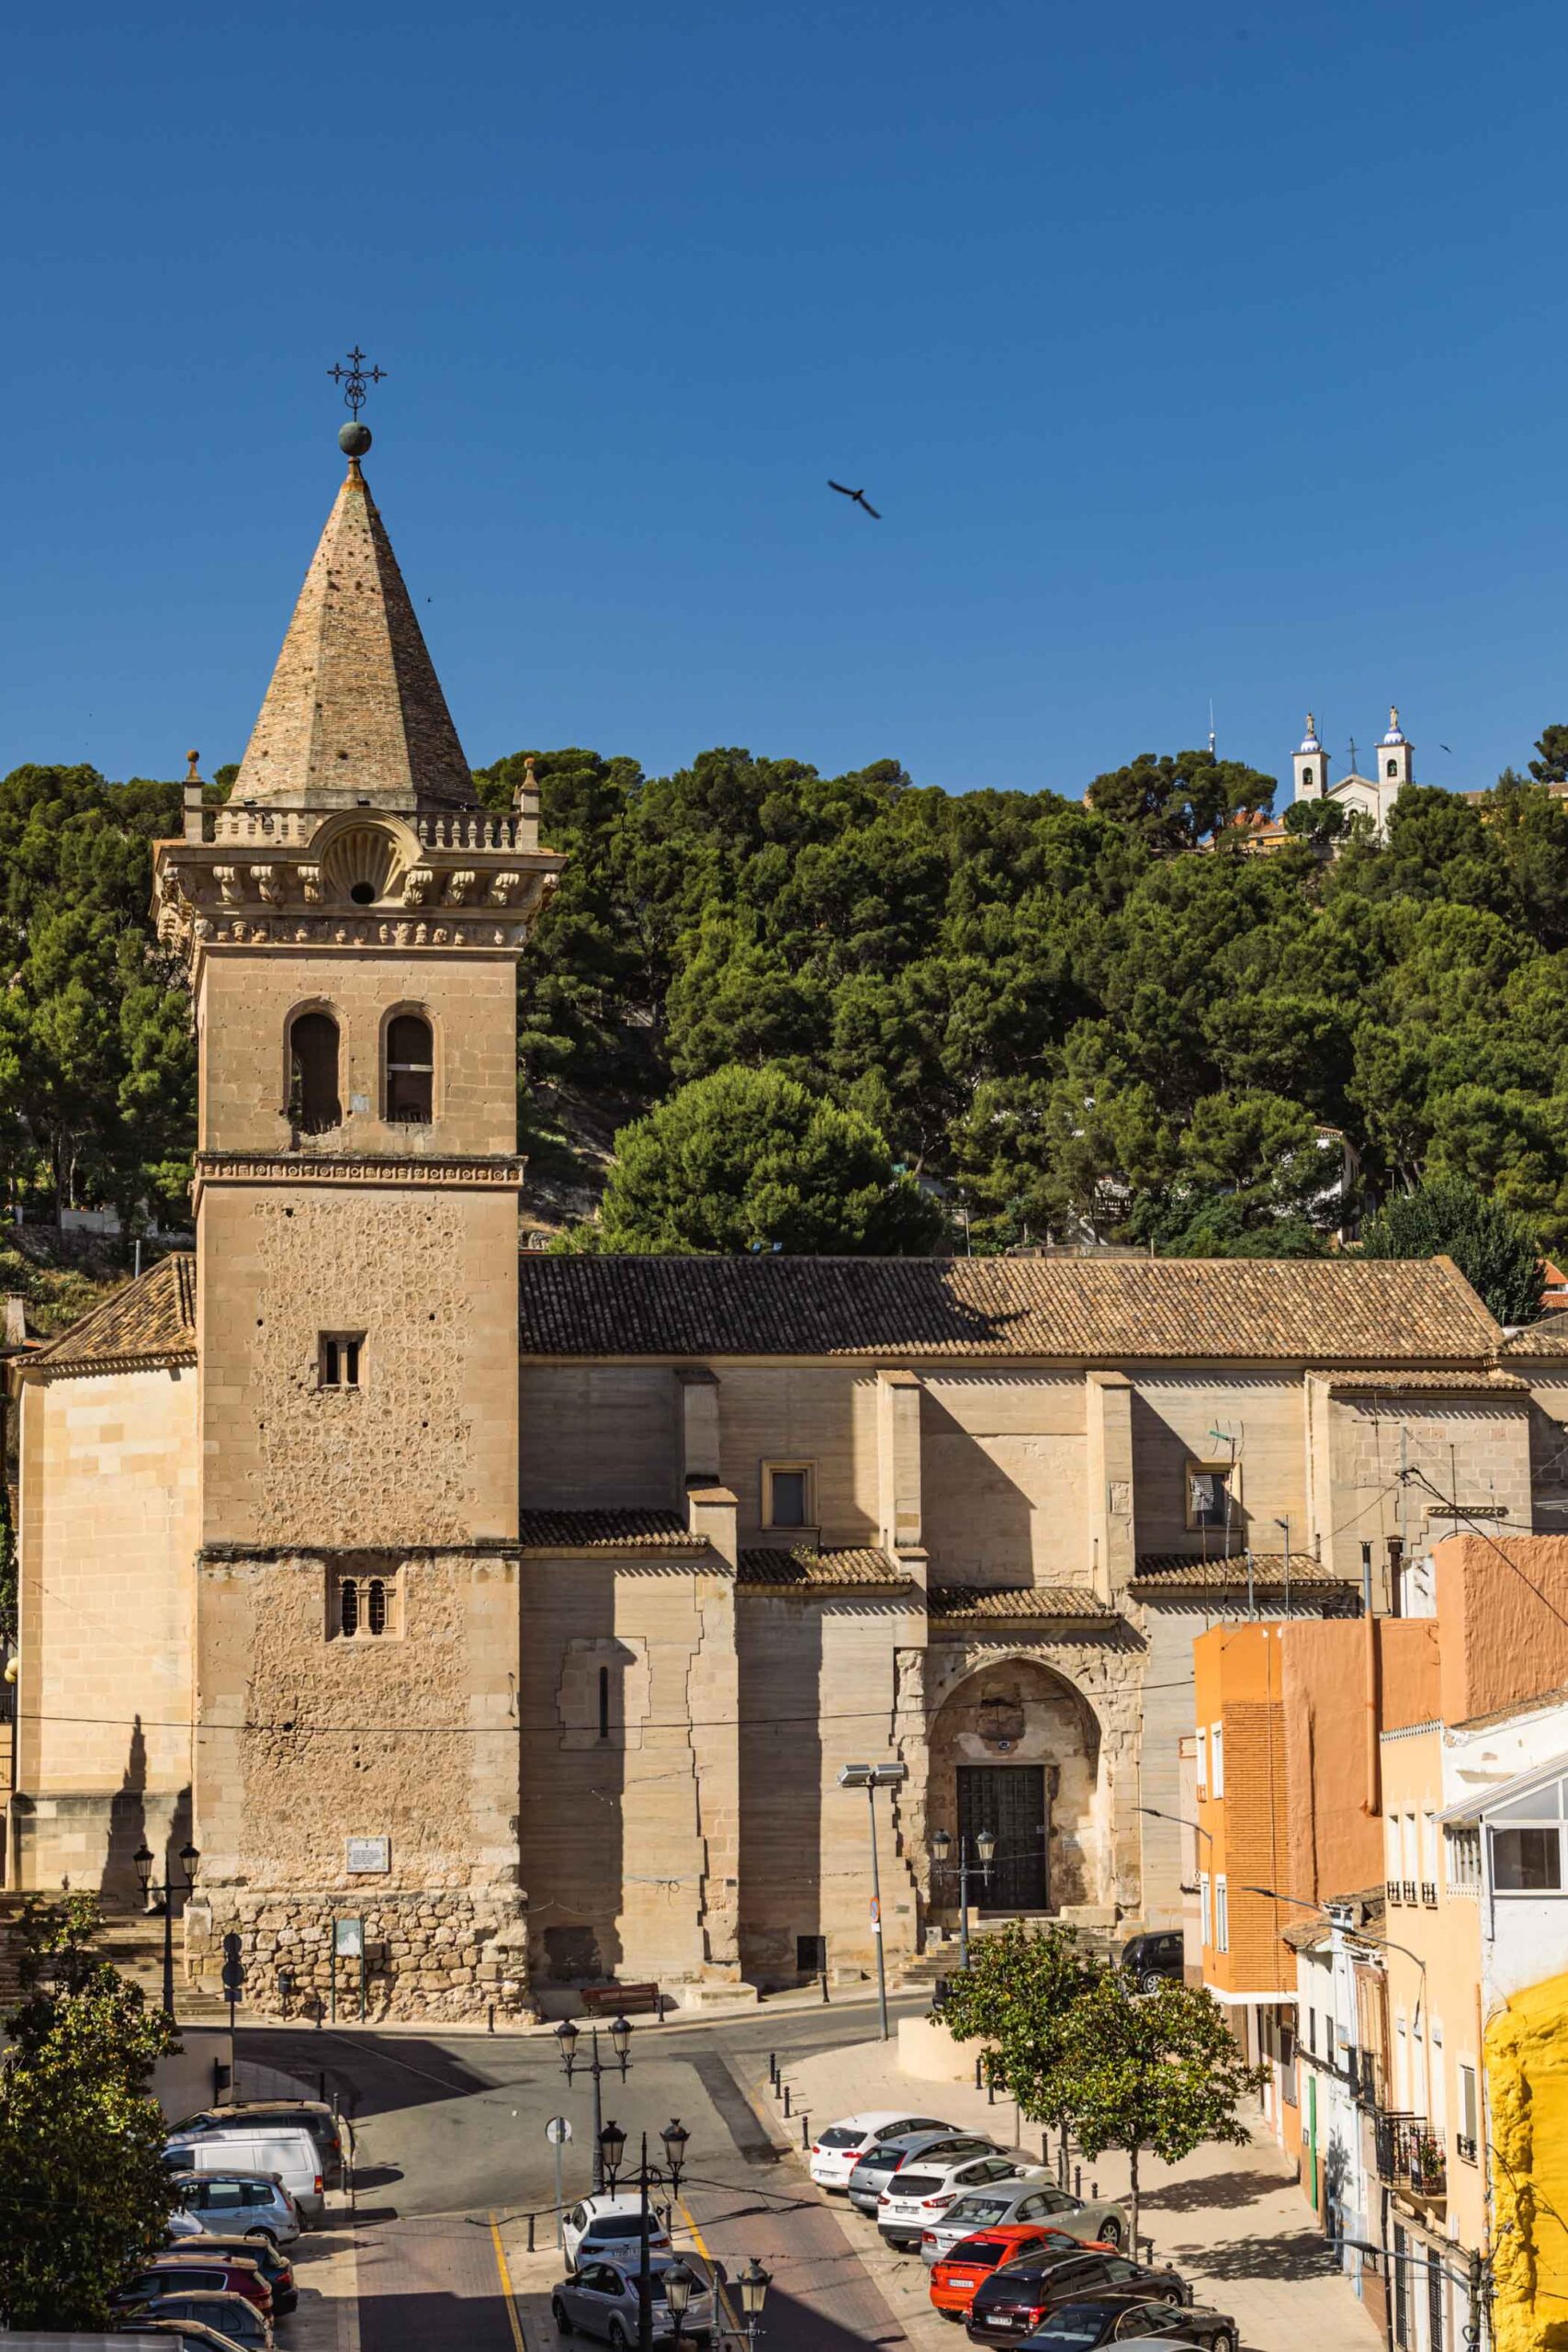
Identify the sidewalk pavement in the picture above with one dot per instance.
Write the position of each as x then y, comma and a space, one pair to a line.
326, 2271
1232, 2220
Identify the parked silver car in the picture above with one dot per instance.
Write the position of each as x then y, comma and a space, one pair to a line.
601, 2298
1029, 2196
234, 2200
877, 2166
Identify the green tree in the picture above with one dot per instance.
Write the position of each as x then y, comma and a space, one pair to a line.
86, 2193
748, 1158
1015, 1995
1175, 804
1149, 2071
1552, 767
1447, 1217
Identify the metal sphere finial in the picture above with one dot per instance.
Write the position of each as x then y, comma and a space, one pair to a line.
354, 439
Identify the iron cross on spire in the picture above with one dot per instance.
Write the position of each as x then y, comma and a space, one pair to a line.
354, 380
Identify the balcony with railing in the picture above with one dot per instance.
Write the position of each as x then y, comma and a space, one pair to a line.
1411, 2158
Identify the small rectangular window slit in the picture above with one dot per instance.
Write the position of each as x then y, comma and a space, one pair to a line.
337, 1359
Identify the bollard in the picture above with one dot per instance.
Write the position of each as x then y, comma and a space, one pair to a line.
977, 2074
1078, 2180
990, 2094
530, 2233
1093, 2190
786, 2099
825, 2000
1044, 2147
321, 2079
490, 2019
774, 2068
805, 2133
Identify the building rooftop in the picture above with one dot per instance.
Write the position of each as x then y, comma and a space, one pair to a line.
1387, 1312
607, 1530
1186, 1572
151, 1322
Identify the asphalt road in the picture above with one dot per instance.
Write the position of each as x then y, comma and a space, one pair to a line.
449, 2138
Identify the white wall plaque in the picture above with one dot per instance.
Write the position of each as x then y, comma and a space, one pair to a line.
369, 1854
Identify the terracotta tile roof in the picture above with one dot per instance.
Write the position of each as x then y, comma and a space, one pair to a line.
150, 1321
1423, 1384
1547, 1337
1385, 1311
801, 1569
960, 1603
606, 1531
1183, 1572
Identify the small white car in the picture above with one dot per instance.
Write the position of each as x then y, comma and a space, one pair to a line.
609, 2228
922, 2190
836, 2152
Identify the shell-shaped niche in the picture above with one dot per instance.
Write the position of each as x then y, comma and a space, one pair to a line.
361, 865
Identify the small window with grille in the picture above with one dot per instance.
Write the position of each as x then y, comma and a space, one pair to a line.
339, 1359
365, 1607
787, 1499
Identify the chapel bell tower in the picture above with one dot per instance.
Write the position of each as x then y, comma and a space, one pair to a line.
352, 922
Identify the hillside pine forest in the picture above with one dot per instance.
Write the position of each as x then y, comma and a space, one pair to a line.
769, 1008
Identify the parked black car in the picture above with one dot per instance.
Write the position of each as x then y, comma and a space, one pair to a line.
1155, 1960
1124, 2318
1018, 2297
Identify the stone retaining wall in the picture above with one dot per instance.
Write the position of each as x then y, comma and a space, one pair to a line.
447, 1955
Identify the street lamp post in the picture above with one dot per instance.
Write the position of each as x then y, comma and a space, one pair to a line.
985, 1849
568, 2038
674, 2136
184, 1884
872, 1776
680, 2284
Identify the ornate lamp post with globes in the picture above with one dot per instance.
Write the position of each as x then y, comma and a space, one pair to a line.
568, 2037
985, 1851
184, 1884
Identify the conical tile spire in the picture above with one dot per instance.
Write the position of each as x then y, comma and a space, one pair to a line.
355, 712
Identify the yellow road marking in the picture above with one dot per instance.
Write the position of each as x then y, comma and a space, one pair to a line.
727, 2305
509, 2300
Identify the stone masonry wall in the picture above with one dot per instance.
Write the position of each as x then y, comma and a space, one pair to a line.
307, 1739
438, 1953
424, 1451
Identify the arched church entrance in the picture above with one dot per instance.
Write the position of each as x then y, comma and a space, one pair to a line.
1015, 1752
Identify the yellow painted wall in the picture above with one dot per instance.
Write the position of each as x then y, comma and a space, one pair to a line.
1526, 2070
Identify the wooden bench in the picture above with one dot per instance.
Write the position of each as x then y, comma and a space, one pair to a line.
620, 2000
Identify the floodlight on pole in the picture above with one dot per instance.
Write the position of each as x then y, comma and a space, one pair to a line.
872, 1776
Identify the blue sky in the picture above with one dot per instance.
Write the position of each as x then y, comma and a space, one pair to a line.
1187, 352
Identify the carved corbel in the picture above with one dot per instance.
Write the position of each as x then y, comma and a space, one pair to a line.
231, 889
268, 886
311, 885
419, 887
503, 889
461, 887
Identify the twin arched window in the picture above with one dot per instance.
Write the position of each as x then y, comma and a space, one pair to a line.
408, 1083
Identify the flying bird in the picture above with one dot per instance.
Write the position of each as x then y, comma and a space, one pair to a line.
860, 499
1444, 747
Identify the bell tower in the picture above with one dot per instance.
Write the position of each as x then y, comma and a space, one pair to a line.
351, 922
1311, 765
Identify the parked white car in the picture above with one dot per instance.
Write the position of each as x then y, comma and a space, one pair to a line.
836, 2152
924, 2189
609, 2228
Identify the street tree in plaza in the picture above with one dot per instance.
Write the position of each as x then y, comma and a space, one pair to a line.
1016, 1995
1159, 2071
86, 2193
